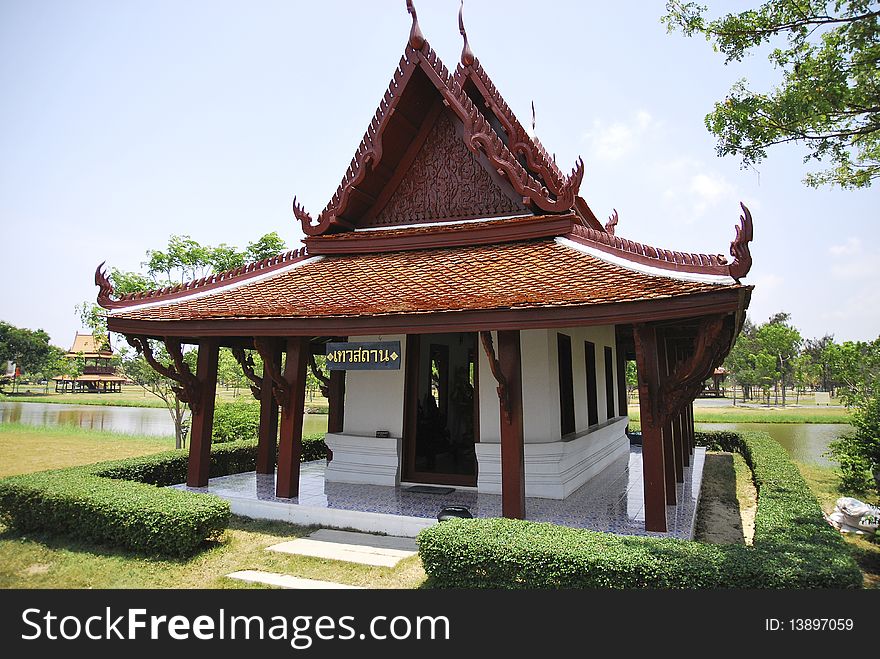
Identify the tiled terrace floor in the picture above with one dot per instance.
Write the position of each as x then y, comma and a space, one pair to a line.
613, 501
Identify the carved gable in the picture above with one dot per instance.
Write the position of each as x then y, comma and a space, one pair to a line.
445, 182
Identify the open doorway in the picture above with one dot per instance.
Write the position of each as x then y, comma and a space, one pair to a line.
442, 409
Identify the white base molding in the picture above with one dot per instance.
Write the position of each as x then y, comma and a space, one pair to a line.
556, 469
363, 459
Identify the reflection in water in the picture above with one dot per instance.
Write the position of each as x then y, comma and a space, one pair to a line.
131, 420
805, 442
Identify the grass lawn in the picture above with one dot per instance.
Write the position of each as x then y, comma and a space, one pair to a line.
731, 414
38, 561
25, 448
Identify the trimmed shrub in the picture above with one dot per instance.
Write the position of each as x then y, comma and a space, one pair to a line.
125, 503
793, 548
135, 516
237, 421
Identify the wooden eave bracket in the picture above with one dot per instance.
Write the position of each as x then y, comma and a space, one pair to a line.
267, 347
712, 343
495, 367
187, 387
246, 361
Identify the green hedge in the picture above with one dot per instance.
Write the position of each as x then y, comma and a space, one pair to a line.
124, 503
237, 421
793, 547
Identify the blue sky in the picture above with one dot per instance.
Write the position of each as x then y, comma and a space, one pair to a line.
125, 122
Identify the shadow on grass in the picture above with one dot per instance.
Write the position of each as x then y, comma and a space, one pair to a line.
719, 518
283, 530
67, 543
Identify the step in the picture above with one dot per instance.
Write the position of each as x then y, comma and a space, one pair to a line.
287, 581
362, 548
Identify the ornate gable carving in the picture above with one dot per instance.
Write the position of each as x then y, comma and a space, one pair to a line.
445, 182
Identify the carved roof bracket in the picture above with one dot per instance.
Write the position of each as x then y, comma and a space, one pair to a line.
495, 367
711, 345
319, 375
268, 349
187, 387
246, 361
739, 248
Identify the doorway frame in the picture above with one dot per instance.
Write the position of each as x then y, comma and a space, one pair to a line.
408, 471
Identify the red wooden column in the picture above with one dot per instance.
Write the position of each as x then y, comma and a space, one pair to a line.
684, 440
268, 435
653, 471
513, 472
199, 465
294, 399
690, 426
622, 398
336, 401
671, 458
335, 405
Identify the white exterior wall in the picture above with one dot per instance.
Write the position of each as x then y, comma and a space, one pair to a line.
373, 401
554, 466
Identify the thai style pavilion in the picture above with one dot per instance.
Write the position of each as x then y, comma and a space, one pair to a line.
98, 374
475, 313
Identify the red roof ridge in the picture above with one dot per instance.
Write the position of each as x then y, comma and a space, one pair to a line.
215, 280
550, 191
713, 264
521, 142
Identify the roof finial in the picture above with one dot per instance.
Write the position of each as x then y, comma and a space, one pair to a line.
416, 38
739, 248
533, 118
467, 55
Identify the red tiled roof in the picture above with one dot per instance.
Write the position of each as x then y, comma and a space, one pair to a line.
519, 275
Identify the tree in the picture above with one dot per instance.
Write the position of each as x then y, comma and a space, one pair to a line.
183, 259
778, 338
28, 349
820, 354
829, 96
740, 362
138, 370
265, 247
804, 373
857, 364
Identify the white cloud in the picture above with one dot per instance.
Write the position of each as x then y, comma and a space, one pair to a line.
692, 189
850, 247
851, 261
613, 141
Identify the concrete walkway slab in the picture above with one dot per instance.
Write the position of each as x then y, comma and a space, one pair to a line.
362, 548
287, 581
366, 539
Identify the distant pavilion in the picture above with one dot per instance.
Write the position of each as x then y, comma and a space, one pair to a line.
98, 376
476, 314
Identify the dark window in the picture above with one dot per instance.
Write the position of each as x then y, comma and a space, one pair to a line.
592, 395
566, 384
609, 382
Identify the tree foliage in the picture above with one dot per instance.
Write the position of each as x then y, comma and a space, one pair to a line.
828, 54
28, 349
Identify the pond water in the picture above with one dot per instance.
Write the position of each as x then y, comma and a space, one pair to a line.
131, 420
805, 442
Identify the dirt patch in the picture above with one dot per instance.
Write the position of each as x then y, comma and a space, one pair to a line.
728, 501
36, 568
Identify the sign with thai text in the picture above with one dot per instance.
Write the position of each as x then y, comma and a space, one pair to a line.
363, 356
